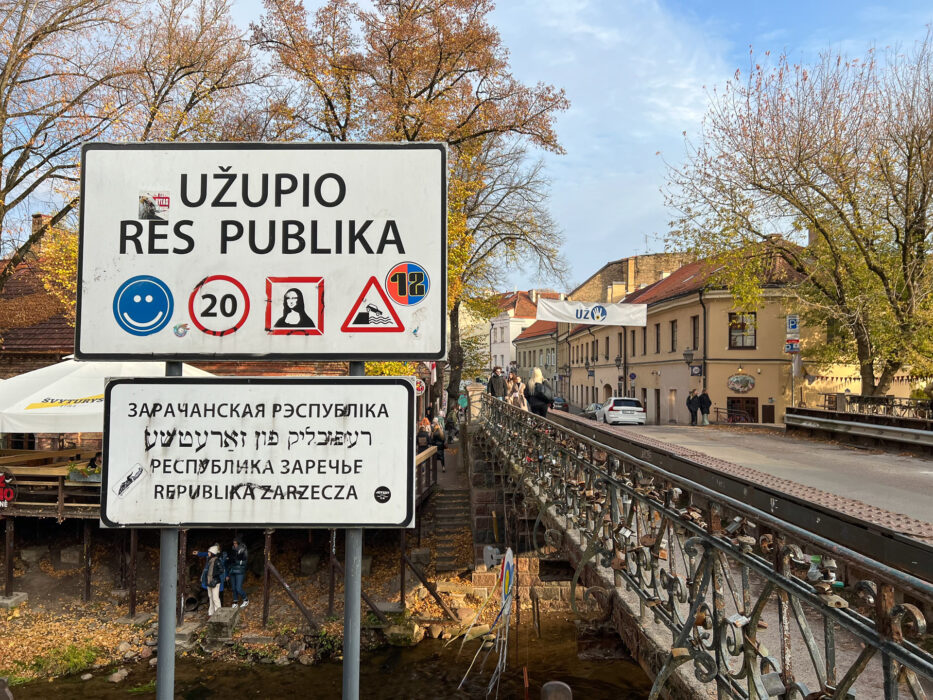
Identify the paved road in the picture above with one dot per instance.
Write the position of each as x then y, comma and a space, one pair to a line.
901, 484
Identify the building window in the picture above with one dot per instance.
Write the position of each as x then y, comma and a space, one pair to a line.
22, 441
593, 354
674, 336
644, 340
695, 329
606, 354
657, 338
632, 339
742, 330
620, 353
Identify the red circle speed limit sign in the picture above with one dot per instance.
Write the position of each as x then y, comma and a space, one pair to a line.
218, 305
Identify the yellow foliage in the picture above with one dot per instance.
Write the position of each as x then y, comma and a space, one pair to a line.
58, 268
390, 369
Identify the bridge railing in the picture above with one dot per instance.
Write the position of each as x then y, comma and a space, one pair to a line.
760, 607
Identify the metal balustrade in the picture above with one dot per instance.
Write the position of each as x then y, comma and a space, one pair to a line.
756, 604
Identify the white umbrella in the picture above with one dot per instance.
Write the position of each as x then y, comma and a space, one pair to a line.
68, 397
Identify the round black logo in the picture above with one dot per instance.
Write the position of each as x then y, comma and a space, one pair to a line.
383, 494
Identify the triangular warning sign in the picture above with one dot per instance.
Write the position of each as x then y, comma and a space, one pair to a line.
372, 312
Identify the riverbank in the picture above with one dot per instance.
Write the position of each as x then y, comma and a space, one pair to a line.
431, 669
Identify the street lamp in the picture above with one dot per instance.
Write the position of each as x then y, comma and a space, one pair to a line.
619, 362
688, 356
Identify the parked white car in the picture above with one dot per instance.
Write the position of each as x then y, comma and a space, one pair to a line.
621, 409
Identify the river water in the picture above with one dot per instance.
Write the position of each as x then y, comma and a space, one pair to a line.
427, 671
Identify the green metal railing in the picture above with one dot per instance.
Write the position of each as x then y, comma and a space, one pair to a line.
760, 607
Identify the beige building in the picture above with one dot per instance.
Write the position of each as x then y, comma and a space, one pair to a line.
536, 346
737, 356
611, 283
518, 310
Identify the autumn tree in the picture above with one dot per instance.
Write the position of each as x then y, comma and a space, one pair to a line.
62, 83
501, 224
192, 73
838, 158
418, 70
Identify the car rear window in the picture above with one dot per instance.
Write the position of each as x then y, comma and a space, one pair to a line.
629, 403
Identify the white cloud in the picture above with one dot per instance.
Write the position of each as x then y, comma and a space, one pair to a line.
636, 83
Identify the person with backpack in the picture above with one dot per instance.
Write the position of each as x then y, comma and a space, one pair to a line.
539, 394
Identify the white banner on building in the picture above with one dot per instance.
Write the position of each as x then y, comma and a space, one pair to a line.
258, 452
590, 313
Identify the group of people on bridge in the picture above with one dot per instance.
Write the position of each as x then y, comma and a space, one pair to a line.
536, 396
699, 403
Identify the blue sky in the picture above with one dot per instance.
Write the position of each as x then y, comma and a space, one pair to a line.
636, 72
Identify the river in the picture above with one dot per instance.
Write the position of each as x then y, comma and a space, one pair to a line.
427, 671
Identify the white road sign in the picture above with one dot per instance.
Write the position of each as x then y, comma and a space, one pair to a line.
258, 452
236, 251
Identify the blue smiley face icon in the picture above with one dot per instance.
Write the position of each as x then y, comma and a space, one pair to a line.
143, 305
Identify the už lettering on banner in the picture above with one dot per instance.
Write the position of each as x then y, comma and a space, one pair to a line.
590, 313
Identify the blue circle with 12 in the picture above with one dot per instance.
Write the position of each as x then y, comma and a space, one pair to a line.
143, 305
598, 313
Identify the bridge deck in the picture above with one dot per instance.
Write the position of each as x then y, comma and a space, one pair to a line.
888, 490
893, 482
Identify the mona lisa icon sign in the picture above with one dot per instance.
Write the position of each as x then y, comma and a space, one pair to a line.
295, 305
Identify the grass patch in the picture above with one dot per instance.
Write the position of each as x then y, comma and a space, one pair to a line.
73, 658
143, 688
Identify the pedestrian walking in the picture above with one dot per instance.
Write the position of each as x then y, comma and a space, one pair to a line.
497, 385
463, 404
539, 394
423, 437
212, 577
439, 441
516, 395
693, 405
705, 403
237, 573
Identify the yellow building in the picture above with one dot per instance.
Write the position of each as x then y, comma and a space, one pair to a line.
694, 339
609, 284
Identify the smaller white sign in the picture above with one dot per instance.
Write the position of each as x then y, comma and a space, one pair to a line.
792, 346
592, 314
258, 452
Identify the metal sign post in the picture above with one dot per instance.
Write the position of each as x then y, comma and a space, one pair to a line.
168, 590
352, 588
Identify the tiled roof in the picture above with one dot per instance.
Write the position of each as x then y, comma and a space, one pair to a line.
578, 328
537, 329
521, 304
695, 276
30, 319
685, 280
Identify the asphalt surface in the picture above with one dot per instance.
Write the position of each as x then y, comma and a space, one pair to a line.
895, 482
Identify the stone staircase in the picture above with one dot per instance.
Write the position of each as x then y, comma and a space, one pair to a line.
452, 517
